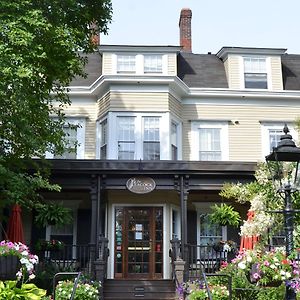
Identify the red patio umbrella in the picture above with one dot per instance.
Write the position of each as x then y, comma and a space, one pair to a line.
15, 227
248, 242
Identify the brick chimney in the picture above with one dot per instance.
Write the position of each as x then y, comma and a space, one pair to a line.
185, 29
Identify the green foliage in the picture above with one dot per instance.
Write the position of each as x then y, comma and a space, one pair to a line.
9, 290
224, 214
52, 214
42, 45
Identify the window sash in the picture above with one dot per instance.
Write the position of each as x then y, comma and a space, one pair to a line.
209, 233
126, 63
255, 73
151, 144
153, 64
274, 137
103, 142
126, 137
256, 80
71, 141
210, 144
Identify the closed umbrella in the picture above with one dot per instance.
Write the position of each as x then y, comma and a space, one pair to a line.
248, 242
15, 231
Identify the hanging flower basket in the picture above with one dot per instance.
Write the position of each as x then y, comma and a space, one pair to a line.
9, 266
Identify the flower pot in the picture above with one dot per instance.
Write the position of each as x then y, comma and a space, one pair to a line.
9, 266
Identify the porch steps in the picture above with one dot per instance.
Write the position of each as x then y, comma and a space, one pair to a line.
114, 289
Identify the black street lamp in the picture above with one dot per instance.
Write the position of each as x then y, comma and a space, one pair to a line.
286, 152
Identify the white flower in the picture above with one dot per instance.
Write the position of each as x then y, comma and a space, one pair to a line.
249, 259
31, 276
242, 265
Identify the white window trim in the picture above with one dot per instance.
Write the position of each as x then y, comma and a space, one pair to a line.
179, 139
178, 225
139, 64
266, 126
196, 125
268, 71
80, 150
204, 208
113, 139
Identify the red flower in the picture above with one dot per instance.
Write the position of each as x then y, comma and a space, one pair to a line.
285, 262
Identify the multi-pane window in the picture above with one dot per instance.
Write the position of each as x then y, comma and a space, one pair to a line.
151, 138
274, 137
70, 143
126, 64
174, 147
126, 137
153, 63
209, 233
255, 73
103, 143
210, 144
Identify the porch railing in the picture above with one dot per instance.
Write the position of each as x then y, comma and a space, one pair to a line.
204, 257
69, 258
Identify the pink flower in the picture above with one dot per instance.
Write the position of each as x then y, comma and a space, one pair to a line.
255, 275
266, 263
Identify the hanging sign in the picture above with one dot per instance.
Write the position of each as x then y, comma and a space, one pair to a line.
140, 185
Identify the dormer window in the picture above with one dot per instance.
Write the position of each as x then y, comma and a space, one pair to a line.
255, 73
126, 64
153, 63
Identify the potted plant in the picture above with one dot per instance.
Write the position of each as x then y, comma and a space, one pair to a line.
267, 268
224, 215
52, 214
16, 261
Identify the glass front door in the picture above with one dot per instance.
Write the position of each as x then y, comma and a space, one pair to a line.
138, 242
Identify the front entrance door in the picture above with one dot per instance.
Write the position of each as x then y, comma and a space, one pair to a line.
138, 242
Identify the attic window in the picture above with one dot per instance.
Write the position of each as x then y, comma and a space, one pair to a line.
126, 63
255, 73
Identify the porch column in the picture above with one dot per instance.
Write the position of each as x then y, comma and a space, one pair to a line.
94, 210
183, 212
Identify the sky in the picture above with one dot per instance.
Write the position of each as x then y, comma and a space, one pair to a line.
215, 23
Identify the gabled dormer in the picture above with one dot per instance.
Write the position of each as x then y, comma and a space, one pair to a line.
253, 68
139, 60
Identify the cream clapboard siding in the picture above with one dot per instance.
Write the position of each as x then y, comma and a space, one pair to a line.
135, 101
103, 105
175, 107
233, 71
107, 63
88, 111
276, 73
245, 141
172, 64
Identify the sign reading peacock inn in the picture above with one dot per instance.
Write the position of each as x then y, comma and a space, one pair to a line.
140, 185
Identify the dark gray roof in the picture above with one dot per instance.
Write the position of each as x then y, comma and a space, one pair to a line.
93, 69
201, 70
291, 71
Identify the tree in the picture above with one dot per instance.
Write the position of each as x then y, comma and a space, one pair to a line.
42, 48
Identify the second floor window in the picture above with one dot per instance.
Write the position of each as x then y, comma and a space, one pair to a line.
103, 143
271, 133
209, 141
126, 138
255, 73
174, 141
151, 144
126, 64
210, 144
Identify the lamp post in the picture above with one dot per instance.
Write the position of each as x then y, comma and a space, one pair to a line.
286, 152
